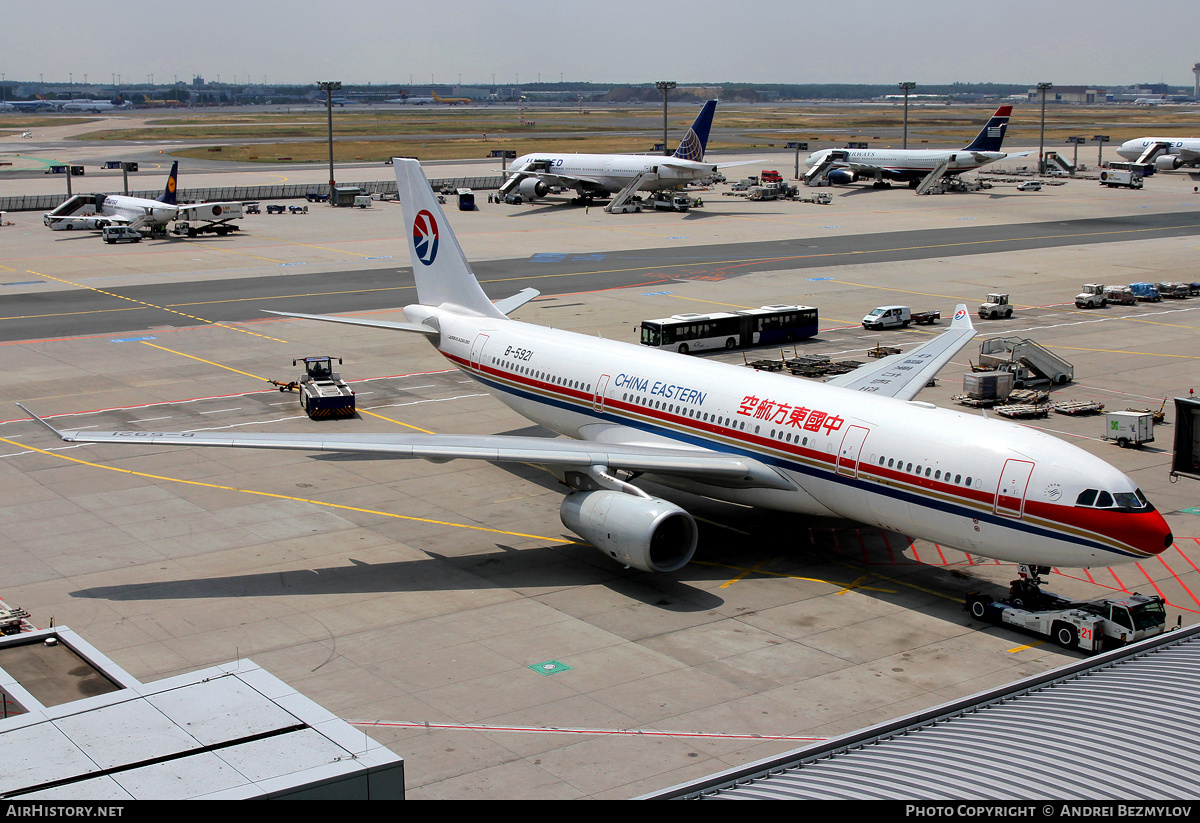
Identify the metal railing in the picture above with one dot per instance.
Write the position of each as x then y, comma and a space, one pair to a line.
46, 202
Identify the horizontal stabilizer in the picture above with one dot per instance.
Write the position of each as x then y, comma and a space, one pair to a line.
904, 375
359, 321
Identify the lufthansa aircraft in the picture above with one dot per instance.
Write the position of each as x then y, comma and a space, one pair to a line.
858, 447
532, 175
95, 211
911, 165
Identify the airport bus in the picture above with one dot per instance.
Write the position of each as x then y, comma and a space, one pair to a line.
466, 200
727, 330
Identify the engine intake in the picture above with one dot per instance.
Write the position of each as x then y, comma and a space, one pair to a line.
1167, 162
842, 177
646, 533
533, 187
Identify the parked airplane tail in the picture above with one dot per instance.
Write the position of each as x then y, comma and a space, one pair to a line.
695, 142
440, 268
168, 195
992, 135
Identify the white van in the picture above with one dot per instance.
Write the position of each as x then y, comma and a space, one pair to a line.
117, 234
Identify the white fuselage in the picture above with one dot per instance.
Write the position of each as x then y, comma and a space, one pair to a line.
1133, 149
904, 164
117, 208
613, 172
989, 487
94, 105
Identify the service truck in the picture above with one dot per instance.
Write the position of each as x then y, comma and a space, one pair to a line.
1094, 295
996, 305
323, 393
1087, 625
668, 201
886, 317
1120, 178
1130, 429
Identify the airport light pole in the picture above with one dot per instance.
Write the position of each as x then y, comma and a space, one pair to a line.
1043, 88
330, 86
665, 87
906, 87
1101, 139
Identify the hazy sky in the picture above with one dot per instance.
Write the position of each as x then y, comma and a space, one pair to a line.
1071, 42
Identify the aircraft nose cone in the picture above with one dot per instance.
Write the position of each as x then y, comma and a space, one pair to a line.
1156, 537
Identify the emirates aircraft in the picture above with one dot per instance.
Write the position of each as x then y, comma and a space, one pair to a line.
590, 175
843, 166
858, 447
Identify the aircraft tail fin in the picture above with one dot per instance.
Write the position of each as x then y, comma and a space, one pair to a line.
442, 273
168, 195
695, 142
991, 136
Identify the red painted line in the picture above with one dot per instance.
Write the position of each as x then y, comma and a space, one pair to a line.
1151, 582
1119, 583
912, 544
1186, 558
863, 545
837, 545
1088, 572
1177, 580
940, 554
888, 543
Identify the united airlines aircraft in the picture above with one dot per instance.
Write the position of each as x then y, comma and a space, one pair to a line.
589, 175
858, 447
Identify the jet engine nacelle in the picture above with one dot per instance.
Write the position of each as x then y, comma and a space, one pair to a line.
646, 533
532, 187
842, 177
1167, 162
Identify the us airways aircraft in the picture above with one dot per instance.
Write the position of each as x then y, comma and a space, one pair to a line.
1167, 153
532, 175
844, 166
859, 447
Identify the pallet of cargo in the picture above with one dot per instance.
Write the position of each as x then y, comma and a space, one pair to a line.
1077, 406
882, 351
1022, 410
1028, 396
976, 402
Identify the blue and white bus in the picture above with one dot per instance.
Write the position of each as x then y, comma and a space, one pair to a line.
726, 330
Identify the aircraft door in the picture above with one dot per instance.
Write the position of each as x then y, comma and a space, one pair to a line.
601, 388
852, 444
1010, 492
477, 349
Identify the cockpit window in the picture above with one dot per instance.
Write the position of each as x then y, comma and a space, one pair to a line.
1127, 501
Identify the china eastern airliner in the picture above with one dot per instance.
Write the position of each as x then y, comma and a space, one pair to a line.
859, 447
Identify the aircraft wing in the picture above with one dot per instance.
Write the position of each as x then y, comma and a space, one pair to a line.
1189, 155
904, 375
566, 181
726, 470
